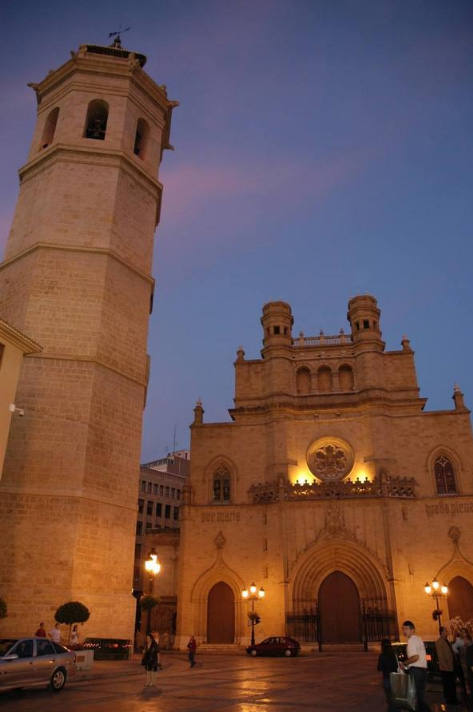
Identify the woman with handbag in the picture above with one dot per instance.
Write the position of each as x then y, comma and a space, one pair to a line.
150, 660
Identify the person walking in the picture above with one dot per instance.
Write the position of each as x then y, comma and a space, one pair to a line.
192, 647
416, 663
55, 633
446, 658
41, 632
157, 637
75, 636
462, 667
458, 647
150, 660
469, 667
387, 663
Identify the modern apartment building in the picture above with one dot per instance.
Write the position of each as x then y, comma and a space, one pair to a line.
159, 500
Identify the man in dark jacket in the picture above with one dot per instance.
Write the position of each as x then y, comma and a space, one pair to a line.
387, 663
446, 660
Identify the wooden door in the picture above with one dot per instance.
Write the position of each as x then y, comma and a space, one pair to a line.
339, 606
460, 598
221, 614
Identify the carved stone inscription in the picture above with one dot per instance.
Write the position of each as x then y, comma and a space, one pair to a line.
226, 516
449, 508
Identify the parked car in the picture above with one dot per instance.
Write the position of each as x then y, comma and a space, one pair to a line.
431, 655
34, 662
108, 648
278, 645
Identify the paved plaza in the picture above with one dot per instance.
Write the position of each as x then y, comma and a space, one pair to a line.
345, 682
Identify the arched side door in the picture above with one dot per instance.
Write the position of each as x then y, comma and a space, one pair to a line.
221, 614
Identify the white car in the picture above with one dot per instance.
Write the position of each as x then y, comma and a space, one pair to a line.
32, 662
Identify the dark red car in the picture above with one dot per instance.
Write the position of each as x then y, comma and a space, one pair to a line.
279, 645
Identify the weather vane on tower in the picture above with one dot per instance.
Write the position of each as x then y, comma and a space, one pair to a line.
117, 40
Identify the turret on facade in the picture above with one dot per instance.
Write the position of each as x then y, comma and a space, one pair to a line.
363, 315
277, 324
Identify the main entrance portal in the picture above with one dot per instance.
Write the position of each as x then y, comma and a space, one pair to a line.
221, 614
339, 607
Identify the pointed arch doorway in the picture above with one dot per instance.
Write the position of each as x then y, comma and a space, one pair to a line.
339, 607
221, 614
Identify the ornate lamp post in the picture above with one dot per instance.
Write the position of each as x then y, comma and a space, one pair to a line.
152, 567
253, 595
437, 591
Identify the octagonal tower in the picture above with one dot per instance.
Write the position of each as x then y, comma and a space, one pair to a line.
77, 279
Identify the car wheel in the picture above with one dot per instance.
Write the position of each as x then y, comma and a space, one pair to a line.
254, 653
288, 653
58, 680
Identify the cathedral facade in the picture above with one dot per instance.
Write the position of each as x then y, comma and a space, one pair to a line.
332, 489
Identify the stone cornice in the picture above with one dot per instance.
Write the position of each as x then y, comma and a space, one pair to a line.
85, 154
103, 65
77, 248
91, 360
60, 494
16, 338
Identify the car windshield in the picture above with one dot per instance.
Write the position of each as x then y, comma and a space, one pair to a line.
6, 644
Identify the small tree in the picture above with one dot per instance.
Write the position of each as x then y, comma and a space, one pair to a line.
3, 609
72, 612
147, 603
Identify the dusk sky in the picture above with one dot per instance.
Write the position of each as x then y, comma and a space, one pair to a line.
324, 148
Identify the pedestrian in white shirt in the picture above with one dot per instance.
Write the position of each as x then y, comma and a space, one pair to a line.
416, 663
55, 633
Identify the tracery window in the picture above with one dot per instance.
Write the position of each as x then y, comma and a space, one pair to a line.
221, 485
444, 476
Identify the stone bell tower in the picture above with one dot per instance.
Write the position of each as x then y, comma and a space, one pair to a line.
77, 279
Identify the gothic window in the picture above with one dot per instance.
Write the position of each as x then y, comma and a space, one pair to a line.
324, 379
345, 378
303, 381
96, 122
444, 476
221, 485
49, 128
141, 138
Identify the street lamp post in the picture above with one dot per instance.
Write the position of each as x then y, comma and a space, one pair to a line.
152, 567
253, 595
437, 591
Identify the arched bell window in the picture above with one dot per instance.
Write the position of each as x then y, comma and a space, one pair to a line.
141, 138
221, 485
96, 121
444, 476
49, 128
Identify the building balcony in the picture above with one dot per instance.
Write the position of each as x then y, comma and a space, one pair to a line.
387, 486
